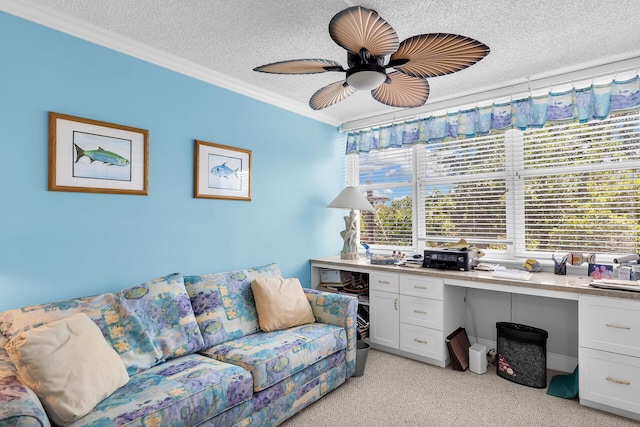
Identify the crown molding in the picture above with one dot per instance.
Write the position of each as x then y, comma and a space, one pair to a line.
82, 30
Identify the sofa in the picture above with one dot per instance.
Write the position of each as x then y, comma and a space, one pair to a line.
193, 351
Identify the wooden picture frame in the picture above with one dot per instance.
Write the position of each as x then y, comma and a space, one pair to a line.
91, 156
221, 172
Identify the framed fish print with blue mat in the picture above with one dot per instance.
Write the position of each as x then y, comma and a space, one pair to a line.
222, 172
97, 157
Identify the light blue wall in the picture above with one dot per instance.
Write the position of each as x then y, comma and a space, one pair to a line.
56, 245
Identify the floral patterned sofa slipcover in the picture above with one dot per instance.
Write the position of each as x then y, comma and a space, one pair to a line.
195, 354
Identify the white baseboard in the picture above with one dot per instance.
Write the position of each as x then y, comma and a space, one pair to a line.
560, 362
556, 362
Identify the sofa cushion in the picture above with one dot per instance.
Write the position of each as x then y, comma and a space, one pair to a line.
280, 303
18, 320
186, 391
294, 399
156, 323
144, 324
264, 398
69, 365
273, 356
223, 302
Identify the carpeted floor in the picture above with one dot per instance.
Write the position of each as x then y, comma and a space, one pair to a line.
395, 391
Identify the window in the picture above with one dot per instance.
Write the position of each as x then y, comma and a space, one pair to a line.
580, 187
462, 191
386, 178
567, 188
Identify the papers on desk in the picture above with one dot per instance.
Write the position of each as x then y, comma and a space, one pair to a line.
620, 285
509, 273
483, 266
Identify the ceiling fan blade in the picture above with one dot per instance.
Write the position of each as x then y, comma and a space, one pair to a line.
357, 27
330, 94
402, 91
437, 54
300, 66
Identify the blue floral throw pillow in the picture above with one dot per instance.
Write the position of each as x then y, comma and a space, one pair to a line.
223, 302
157, 323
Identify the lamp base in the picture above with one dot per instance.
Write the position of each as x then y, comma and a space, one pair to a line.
349, 255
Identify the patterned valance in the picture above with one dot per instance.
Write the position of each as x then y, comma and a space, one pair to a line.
594, 102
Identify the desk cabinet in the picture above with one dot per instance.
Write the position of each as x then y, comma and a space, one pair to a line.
421, 320
609, 354
408, 314
384, 315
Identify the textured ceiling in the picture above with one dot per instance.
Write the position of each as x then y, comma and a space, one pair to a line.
230, 38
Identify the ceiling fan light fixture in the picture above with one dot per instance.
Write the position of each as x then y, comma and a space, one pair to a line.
366, 76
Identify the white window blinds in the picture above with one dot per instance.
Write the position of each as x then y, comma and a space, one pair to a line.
462, 191
580, 187
386, 177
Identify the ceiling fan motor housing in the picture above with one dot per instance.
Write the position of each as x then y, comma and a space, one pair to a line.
366, 76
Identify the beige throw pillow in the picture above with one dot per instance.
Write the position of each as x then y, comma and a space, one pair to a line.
280, 303
69, 365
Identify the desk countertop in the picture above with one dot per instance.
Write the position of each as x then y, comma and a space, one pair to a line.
539, 282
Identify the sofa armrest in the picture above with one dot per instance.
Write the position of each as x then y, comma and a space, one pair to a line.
338, 310
19, 405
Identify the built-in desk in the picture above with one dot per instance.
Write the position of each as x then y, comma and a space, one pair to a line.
412, 310
540, 284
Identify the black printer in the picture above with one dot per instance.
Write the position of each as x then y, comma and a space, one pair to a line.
450, 259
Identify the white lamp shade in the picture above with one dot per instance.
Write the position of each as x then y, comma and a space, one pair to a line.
351, 198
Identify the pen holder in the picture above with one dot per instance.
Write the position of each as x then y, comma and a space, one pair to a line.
560, 267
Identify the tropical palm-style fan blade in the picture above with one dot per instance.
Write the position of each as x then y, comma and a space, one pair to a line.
402, 91
330, 94
300, 66
437, 54
357, 27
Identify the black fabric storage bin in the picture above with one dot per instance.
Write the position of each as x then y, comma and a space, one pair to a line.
522, 354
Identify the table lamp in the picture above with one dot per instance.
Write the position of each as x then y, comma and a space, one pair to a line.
351, 198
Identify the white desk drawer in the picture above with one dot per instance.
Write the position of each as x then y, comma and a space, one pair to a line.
610, 324
383, 282
421, 312
422, 341
420, 286
610, 379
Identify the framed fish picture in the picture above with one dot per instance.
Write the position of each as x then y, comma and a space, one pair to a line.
222, 172
97, 157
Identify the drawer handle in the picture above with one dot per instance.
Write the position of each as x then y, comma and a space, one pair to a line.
421, 341
419, 287
420, 311
384, 282
613, 325
613, 380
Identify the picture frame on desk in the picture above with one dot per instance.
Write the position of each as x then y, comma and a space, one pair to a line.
600, 271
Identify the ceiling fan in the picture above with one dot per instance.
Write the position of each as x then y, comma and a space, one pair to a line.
368, 39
